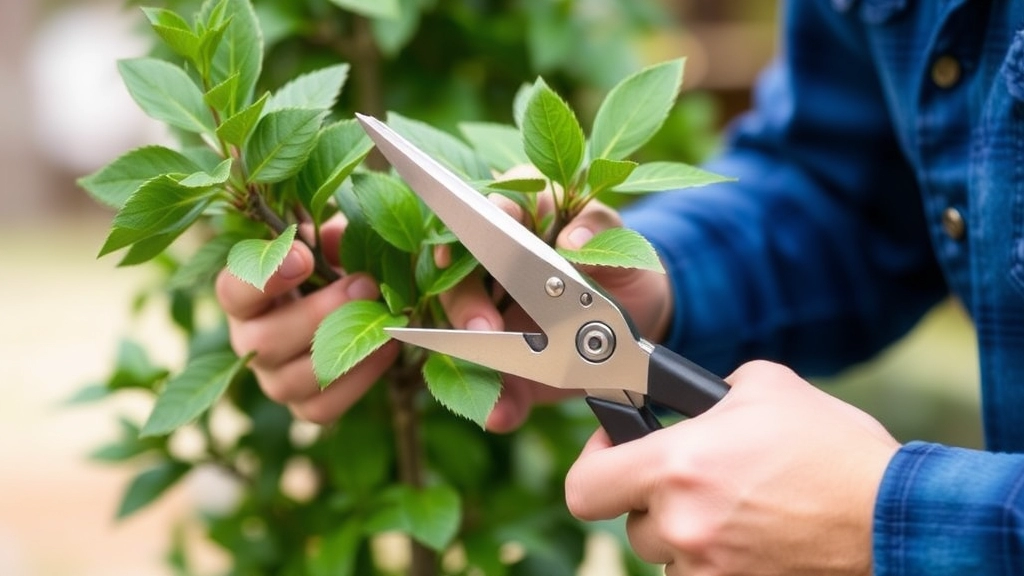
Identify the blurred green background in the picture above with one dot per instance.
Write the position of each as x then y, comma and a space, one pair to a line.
63, 113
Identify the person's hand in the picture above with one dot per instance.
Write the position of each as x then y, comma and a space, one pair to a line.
278, 326
644, 294
778, 478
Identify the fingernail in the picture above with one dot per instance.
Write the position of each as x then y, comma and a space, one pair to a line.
294, 265
479, 324
362, 288
580, 236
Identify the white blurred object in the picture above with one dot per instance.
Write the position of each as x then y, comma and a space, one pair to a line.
83, 116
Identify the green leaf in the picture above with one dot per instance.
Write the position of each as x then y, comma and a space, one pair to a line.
87, 395
174, 31
392, 34
236, 129
160, 206
370, 8
240, 50
449, 277
552, 136
148, 248
336, 553
451, 152
165, 92
392, 210
147, 486
657, 176
605, 174
200, 270
618, 247
193, 392
339, 149
254, 261
317, 90
499, 145
350, 334
114, 183
393, 298
127, 447
133, 369
522, 98
203, 179
467, 389
635, 109
281, 144
430, 515
222, 96
360, 467
524, 185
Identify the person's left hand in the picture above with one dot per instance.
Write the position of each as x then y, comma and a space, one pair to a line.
778, 478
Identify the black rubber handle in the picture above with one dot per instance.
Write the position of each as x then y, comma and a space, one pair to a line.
679, 384
622, 422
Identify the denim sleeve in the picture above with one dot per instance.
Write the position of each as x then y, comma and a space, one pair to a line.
818, 255
950, 511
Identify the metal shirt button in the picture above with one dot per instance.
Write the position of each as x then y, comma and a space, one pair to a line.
946, 71
953, 223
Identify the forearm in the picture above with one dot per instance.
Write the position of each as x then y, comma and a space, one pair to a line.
950, 511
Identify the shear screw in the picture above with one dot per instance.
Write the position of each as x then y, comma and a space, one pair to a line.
595, 342
554, 286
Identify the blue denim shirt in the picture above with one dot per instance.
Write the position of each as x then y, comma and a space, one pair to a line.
881, 169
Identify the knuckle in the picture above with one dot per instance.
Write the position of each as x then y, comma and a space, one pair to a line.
315, 410
689, 537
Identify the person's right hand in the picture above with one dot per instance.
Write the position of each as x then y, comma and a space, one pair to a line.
278, 326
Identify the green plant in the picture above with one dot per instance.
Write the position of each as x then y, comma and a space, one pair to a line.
255, 164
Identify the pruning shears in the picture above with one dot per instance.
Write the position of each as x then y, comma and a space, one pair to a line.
586, 341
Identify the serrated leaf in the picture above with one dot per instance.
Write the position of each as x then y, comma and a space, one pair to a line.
393, 298
469, 390
176, 33
148, 248
605, 174
114, 183
281, 144
203, 179
370, 8
160, 206
192, 392
658, 176
635, 109
391, 209
316, 90
430, 516
236, 129
519, 102
239, 50
200, 270
148, 485
499, 145
254, 261
350, 334
453, 153
339, 149
165, 92
552, 137
618, 247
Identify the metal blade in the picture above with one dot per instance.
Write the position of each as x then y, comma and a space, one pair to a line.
522, 263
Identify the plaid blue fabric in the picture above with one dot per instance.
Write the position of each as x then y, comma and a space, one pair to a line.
831, 244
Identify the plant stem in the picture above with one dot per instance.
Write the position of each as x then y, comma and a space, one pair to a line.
404, 384
323, 269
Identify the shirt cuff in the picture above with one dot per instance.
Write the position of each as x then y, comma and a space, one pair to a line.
950, 511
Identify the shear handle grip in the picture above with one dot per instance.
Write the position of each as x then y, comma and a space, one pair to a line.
677, 383
622, 422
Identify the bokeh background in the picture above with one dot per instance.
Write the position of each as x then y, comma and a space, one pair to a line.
63, 114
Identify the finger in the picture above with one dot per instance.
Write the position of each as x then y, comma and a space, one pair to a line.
289, 383
285, 332
644, 539
608, 481
469, 306
340, 395
241, 300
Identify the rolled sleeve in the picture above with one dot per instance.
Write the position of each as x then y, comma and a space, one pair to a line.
950, 511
